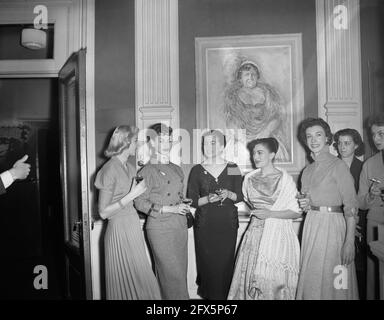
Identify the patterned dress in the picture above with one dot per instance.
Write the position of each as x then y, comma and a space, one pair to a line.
127, 268
322, 277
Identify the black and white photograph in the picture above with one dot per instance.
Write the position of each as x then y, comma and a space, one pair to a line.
191, 155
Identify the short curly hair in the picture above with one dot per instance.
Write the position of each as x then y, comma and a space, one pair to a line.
270, 143
158, 129
311, 122
356, 137
216, 133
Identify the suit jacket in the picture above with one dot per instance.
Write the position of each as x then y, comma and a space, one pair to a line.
164, 188
2, 188
355, 169
372, 168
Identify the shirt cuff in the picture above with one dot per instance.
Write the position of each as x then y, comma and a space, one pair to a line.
7, 179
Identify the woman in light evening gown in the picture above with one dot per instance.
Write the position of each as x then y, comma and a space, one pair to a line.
267, 265
127, 269
327, 268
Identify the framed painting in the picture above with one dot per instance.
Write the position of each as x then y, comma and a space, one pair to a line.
251, 87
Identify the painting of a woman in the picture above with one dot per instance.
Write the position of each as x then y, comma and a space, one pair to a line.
257, 107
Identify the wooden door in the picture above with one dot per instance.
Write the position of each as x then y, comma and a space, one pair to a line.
73, 166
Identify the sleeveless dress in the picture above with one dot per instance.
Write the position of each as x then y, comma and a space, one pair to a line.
128, 271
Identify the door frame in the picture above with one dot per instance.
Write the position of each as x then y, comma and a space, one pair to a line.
74, 68
83, 36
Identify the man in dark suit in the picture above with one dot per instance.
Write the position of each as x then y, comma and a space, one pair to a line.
20, 170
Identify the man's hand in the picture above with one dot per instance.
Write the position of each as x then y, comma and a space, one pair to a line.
20, 169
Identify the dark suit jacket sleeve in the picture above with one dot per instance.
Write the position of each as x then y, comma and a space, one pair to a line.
2, 188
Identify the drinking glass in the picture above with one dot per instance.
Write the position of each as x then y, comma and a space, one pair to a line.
218, 192
139, 178
302, 195
187, 201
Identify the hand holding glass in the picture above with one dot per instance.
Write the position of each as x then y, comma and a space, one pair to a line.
187, 201
303, 198
218, 192
213, 197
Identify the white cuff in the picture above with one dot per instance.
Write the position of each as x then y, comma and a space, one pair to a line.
7, 179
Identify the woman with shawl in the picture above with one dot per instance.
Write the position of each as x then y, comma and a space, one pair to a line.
267, 265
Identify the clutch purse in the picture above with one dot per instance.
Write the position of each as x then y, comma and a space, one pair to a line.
190, 219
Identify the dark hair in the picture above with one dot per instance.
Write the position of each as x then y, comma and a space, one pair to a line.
311, 122
246, 67
218, 134
270, 143
158, 129
376, 119
355, 135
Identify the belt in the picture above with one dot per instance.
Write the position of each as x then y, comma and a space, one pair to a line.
327, 209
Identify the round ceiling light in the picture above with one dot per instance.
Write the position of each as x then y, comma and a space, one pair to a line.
33, 39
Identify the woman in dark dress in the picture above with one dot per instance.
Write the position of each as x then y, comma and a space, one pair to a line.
349, 144
215, 187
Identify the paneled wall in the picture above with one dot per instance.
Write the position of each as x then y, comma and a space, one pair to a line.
173, 97
114, 68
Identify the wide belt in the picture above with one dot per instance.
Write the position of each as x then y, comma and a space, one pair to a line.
327, 209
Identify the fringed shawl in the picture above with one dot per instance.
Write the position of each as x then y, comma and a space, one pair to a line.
276, 271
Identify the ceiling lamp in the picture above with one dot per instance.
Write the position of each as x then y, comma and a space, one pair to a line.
34, 39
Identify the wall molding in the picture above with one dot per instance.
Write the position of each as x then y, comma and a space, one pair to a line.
149, 115
339, 65
157, 62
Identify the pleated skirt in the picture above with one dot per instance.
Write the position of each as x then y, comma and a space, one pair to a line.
129, 275
322, 277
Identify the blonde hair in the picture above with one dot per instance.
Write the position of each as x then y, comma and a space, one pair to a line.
120, 140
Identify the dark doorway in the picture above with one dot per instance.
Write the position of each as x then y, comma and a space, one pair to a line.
31, 218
